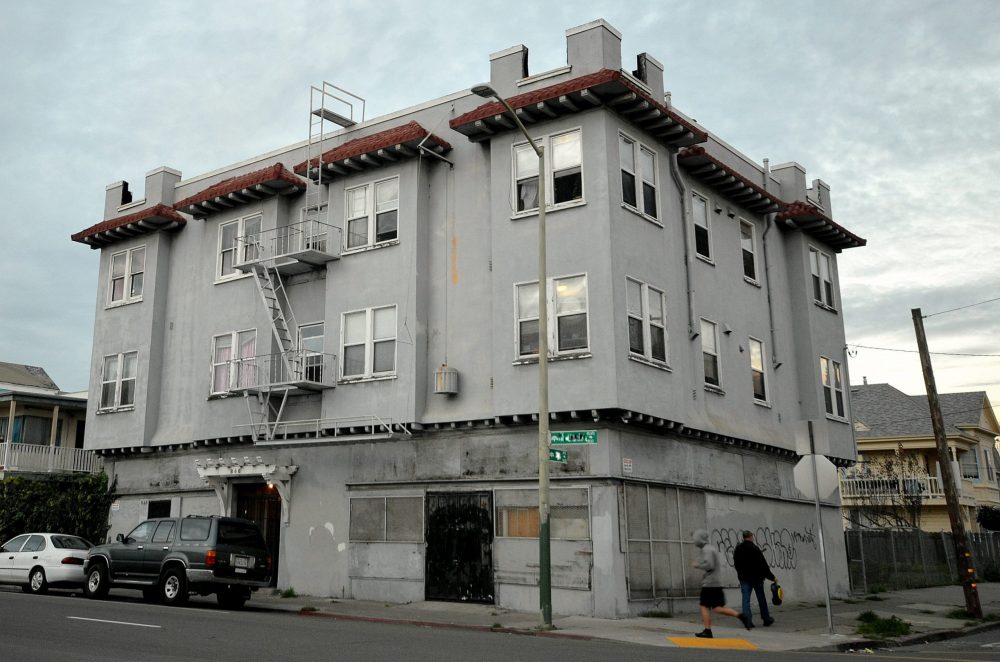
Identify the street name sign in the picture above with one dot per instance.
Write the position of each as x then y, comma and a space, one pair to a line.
573, 437
556, 455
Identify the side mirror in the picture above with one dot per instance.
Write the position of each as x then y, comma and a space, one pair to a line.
120, 537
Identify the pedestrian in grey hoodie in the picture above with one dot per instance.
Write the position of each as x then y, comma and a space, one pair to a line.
712, 597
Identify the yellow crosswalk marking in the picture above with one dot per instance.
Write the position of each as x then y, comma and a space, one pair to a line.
728, 644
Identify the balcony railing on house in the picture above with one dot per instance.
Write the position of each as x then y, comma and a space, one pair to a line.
309, 431
295, 369
861, 488
36, 458
291, 249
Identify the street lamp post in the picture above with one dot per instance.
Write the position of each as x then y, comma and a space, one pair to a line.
544, 557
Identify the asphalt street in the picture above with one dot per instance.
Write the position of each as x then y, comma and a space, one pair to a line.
69, 627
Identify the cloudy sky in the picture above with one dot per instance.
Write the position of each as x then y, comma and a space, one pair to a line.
895, 104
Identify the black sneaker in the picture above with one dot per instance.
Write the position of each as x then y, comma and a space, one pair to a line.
745, 620
768, 622
704, 634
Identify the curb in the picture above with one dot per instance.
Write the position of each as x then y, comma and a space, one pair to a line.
909, 640
453, 626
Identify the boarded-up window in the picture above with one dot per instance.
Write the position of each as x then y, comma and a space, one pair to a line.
659, 521
569, 513
387, 519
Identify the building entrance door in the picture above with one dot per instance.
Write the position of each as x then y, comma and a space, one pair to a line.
261, 504
459, 547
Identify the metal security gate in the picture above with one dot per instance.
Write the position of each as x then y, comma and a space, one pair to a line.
261, 504
460, 547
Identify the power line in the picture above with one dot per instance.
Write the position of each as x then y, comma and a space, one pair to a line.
942, 312
913, 351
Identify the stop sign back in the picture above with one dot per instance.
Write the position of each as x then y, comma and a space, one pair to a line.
826, 476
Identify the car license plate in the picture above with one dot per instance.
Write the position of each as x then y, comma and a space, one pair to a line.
242, 561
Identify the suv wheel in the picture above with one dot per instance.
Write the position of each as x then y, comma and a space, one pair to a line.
232, 598
173, 587
97, 584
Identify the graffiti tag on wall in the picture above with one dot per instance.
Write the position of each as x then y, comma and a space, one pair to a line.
780, 546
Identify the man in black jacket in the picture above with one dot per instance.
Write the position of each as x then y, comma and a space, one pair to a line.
752, 570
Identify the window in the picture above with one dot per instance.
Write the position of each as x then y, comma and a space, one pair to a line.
164, 532
30, 430
368, 344
233, 361
569, 513
710, 352
195, 529
638, 164
387, 519
833, 386
659, 550
819, 263
567, 304
970, 464
702, 233
141, 533
311, 345
127, 270
647, 330
118, 380
757, 370
158, 508
372, 213
237, 244
749, 253
564, 182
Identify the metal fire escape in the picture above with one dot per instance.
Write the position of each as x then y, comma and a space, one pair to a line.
297, 247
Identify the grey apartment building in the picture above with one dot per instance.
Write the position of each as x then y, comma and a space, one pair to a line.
339, 340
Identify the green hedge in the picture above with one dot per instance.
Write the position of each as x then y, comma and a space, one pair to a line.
62, 503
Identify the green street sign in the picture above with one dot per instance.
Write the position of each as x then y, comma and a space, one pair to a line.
573, 437
558, 455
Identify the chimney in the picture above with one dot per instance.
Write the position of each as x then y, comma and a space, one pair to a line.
160, 186
594, 46
792, 178
506, 68
650, 71
116, 195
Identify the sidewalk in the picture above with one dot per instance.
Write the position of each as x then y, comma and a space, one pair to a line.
798, 626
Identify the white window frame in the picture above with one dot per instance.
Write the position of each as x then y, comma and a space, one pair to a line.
248, 250
760, 369
117, 380
830, 373
369, 344
820, 262
234, 379
755, 278
371, 215
707, 227
647, 295
128, 278
312, 359
639, 177
550, 172
711, 330
552, 301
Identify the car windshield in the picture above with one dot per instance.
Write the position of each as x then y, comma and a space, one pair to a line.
240, 533
70, 542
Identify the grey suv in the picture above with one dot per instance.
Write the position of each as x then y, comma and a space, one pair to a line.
171, 557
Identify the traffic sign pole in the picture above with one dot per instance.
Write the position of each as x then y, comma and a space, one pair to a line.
819, 525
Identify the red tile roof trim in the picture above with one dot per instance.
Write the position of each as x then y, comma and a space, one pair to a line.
697, 151
272, 173
492, 108
161, 211
806, 211
376, 141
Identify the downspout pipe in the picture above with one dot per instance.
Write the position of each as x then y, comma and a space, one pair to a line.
682, 187
768, 224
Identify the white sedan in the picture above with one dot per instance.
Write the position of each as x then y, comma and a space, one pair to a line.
37, 561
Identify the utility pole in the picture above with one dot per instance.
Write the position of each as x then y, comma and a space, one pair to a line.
958, 535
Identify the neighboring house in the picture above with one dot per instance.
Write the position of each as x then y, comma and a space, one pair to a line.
348, 353
898, 464
41, 427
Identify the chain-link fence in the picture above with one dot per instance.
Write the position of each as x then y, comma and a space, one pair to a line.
890, 559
